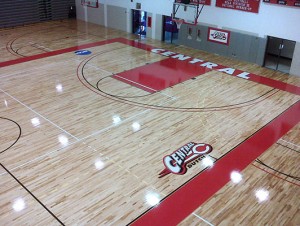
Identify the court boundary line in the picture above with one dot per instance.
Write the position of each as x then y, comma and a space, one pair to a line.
130, 81
289, 143
32, 195
206, 221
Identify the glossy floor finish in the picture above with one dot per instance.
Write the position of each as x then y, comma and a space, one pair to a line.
85, 138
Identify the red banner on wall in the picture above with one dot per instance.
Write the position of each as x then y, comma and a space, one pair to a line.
244, 5
287, 2
202, 2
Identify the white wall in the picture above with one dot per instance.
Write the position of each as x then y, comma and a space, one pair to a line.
274, 20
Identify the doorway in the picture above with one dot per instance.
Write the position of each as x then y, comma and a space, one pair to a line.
170, 31
279, 54
139, 25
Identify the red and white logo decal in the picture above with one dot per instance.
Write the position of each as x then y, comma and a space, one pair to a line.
177, 161
218, 35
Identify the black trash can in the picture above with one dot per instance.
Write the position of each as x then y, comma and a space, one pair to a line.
72, 11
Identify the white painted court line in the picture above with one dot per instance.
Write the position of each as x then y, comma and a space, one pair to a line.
52, 123
110, 73
36, 45
203, 219
80, 140
135, 83
290, 143
39, 157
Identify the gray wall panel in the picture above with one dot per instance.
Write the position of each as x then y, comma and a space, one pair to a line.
117, 17
158, 27
295, 67
96, 15
241, 46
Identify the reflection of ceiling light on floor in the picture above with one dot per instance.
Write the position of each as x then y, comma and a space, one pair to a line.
5, 102
35, 122
152, 198
236, 177
19, 204
262, 195
63, 140
136, 126
116, 119
99, 164
59, 88
207, 162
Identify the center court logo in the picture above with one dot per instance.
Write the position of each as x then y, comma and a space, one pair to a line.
176, 162
82, 52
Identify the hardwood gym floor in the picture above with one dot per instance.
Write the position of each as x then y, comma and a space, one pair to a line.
94, 137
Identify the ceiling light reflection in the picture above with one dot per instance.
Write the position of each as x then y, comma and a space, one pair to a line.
99, 164
208, 161
63, 140
262, 195
116, 119
35, 122
19, 204
136, 126
6, 103
59, 88
152, 198
236, 177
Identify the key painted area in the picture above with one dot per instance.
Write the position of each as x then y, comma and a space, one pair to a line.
161, 75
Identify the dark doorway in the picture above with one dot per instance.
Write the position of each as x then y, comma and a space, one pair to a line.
279, 54
139, 25
170, 31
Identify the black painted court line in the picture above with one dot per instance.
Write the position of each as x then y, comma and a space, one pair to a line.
20, 183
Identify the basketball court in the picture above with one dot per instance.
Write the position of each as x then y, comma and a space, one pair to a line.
99, 128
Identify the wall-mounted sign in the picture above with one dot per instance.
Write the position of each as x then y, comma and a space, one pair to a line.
90, 3
178, 161
138, 5
295, 3
243, 5
218, 36
195, 2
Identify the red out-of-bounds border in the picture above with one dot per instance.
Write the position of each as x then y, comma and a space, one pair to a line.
192, 195
75, 48
55, 52
207, 65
